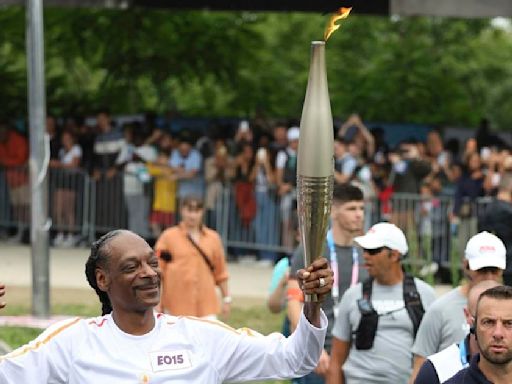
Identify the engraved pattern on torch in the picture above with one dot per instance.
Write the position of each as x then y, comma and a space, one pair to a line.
314, 205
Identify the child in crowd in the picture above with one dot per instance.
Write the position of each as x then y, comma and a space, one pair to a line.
164, 194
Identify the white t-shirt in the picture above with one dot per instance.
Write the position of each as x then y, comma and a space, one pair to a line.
442, 325
390, 359
282, 156
67, 157
178, 350
133, 186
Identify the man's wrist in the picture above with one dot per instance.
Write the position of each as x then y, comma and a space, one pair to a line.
312, 313
227, 299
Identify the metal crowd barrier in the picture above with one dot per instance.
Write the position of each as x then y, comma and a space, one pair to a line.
69, 203
425, 222
86, 208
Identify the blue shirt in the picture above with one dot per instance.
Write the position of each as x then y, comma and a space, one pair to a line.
193, 186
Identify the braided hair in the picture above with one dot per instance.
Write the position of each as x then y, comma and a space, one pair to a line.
99, 257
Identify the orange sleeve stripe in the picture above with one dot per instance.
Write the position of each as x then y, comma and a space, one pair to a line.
244, 330
23, 350
295, 294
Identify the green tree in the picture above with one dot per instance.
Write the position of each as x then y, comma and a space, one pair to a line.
421, 69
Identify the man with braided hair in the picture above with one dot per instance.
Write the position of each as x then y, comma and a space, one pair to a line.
131, 343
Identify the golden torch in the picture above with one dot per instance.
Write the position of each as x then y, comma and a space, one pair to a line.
315, 167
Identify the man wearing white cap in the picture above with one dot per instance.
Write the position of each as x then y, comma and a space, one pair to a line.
286, 179
444, 322
377, 319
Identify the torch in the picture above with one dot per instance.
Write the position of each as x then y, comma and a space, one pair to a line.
315, 167
315, 161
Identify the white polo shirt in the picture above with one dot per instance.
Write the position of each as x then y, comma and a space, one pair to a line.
177, 350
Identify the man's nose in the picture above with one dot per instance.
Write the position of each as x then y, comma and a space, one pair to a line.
498, 331
148, 271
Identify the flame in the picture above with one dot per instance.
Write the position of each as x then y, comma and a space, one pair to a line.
342, 13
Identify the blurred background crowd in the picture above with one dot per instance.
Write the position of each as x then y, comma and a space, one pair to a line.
127, 172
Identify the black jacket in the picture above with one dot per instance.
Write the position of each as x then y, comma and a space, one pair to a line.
470, 375
496, 219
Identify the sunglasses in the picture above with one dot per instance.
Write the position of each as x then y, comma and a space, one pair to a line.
374, 251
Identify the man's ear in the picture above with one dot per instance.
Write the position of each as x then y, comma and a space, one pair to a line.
466, 270
102, 279
395, 255
469, 319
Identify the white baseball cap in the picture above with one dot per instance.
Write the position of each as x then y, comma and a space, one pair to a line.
293, 133
485, 250
384, 235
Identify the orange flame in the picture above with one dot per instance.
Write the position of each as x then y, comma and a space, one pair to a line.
342, 13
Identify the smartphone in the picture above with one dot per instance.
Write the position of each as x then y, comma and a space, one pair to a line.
261, 154
485, 153
244, 126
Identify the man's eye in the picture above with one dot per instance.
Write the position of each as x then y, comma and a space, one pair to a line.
487, 322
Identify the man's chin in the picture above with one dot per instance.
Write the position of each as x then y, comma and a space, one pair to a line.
148, 304
149, 299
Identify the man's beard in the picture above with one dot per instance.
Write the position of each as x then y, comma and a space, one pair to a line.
501, 359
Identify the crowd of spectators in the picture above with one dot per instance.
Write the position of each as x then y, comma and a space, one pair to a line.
256, 158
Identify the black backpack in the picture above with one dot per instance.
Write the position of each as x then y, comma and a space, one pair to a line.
367, 328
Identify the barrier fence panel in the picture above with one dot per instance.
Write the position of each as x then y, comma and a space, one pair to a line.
15, 200
85, 208
5, 204
425, 222
68, 190
253, 226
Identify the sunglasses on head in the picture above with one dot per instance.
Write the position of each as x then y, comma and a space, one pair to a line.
374, 251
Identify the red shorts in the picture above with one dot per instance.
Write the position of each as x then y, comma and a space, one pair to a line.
163, 218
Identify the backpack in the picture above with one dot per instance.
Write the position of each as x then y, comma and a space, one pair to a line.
367, 328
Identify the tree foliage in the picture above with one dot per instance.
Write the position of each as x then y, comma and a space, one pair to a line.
424, 70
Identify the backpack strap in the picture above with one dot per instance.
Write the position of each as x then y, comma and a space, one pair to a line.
412, 301
367, 288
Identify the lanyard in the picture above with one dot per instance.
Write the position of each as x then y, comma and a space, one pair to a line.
334, 266
464, 348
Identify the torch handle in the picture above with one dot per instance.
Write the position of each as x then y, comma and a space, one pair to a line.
314, 196
311, 298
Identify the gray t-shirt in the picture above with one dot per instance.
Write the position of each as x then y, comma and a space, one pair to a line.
344, 257
442, 325
390, 358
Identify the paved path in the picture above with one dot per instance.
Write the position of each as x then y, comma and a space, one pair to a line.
247, 280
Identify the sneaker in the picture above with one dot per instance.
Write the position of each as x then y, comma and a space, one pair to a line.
265, 263
58, 240
429, 269
69, 241
247, 259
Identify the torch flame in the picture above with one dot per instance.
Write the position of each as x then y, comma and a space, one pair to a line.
342, 13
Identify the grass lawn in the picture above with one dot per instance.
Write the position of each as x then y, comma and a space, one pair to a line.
256, 317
